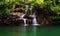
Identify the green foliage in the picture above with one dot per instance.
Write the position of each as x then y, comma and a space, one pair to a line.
53, 5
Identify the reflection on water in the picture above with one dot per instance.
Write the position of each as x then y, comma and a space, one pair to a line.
20, 31
30, 31
34, 30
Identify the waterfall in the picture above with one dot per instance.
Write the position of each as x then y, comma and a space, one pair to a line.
22, 16
25, 22
34, 20
27, 7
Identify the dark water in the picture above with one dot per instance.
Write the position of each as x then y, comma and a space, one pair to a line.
30, 31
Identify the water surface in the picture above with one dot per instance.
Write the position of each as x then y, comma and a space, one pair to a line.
30, 31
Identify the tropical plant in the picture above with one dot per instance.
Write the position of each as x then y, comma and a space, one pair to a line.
53, 5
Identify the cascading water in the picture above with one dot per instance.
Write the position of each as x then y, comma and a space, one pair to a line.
31, 15
21, 17
34, 20
26, 10
25, 22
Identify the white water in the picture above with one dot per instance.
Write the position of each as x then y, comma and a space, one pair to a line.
33, 16
34, 20
21, 17
25, 22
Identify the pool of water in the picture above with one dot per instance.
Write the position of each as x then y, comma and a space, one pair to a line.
30, 31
